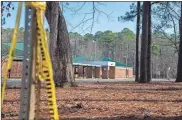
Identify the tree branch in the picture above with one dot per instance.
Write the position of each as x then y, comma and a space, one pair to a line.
85, 20
93, 16
75, 11
175, 37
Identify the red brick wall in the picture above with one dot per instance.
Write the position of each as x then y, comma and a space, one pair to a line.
130, 73
89, 71
112, 72
105, 73
80, 71
121, 72
16, 69
97, 72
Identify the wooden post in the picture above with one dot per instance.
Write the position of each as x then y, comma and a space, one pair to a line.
33, 82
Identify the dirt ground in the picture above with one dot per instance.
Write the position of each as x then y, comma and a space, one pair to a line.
108, 101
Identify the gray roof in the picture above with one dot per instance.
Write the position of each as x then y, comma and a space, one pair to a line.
92, 63
86, 64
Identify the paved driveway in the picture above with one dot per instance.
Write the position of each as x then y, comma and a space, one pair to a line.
18, 81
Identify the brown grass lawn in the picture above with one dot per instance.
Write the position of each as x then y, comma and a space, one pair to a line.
109, 101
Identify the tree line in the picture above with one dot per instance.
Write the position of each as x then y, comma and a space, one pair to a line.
119, 46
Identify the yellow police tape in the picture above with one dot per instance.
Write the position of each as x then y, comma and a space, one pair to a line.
11, 51
37, 5
44, 68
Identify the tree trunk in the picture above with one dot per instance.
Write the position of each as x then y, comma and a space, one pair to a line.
149, 46
52, 18
60, 48
179, 69
64, 47
137, 42
144, 44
